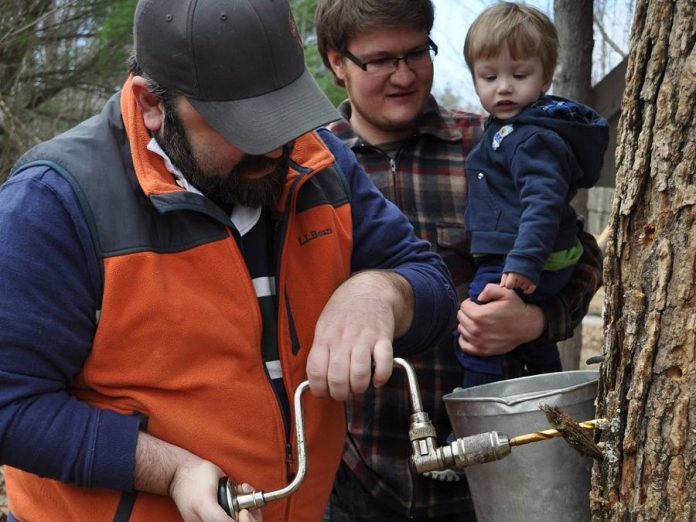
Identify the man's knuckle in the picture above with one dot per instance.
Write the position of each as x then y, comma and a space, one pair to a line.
314, 372
362, 374
337, 382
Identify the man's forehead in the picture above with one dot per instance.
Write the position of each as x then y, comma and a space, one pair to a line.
388, 40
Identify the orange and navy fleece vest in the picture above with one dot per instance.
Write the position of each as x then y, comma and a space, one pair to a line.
179, 332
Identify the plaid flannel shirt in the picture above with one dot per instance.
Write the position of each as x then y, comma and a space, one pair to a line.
427, 181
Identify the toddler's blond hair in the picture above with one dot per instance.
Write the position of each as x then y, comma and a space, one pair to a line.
518, 28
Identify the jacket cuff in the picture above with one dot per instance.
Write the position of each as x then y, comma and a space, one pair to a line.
113, 463
433, 312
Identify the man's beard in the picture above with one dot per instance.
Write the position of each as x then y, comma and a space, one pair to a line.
234, 188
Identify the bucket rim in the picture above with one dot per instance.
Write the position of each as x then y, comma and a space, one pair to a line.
525, 397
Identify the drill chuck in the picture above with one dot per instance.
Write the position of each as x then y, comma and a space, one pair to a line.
461, 453
477, 449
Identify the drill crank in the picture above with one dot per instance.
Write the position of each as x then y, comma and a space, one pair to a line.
233, 503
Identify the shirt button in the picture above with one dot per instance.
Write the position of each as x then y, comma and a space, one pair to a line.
480, 175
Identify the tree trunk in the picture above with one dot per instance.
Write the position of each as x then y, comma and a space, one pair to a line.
573, 20
648, 380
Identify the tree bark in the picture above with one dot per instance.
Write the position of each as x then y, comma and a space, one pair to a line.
572, 79
648, 380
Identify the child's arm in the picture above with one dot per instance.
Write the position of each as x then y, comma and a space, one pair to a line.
512, 280
542, 174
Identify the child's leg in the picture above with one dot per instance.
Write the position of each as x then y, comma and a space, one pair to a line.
543, 356
482, 370
540, 357
474, 378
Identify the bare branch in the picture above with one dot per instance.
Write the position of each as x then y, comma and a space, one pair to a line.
33, 23
14, 126
608, 39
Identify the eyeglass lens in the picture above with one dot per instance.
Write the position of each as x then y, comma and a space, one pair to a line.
414, 60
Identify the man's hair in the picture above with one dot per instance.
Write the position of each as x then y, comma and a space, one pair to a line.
524, 31
164, 94
337, 21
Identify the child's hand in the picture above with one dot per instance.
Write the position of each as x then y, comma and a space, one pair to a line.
512, 280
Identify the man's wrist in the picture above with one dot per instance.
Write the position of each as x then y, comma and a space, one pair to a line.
156, 462
397, 290
536, 319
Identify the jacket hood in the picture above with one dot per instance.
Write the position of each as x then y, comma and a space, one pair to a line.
585, 131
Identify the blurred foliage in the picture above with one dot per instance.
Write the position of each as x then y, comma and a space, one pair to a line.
303, 11
59, 60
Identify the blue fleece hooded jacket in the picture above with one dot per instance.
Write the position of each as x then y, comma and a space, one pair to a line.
522, 176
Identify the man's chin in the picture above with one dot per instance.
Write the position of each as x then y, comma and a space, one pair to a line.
398, 125
402, 119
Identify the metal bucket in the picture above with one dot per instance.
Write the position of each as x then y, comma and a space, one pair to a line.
543, 481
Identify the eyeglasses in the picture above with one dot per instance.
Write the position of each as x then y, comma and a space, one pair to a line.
382, 66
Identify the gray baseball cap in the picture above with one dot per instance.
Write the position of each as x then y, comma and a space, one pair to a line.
239, 62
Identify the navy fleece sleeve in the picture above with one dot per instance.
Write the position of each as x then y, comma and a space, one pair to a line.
383, 238
541, 171
50, 285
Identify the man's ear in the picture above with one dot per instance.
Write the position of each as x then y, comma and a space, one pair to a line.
150, 106
336, 63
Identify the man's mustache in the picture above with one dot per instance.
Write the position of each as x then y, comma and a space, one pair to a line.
255, 163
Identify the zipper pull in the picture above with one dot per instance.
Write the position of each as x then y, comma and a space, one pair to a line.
396, 195
289, 462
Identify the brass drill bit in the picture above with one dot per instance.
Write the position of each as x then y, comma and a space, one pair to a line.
538, 436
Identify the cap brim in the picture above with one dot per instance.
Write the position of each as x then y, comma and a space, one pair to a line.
267, 122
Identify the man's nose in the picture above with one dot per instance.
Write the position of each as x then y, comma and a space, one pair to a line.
403, 73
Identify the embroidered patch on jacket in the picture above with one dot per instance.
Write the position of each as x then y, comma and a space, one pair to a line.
498, 138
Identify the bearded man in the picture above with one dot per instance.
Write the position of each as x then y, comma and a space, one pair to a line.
173, 268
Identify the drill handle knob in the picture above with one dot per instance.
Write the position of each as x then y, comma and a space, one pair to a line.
233, 502
224, 498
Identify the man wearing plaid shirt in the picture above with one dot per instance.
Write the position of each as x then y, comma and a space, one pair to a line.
414, 151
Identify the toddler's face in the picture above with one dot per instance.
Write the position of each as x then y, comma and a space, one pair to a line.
505, 86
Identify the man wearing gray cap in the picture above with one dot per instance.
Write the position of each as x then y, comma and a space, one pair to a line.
174, 267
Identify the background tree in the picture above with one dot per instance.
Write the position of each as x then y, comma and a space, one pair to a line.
648, 380
572, 79
59, 59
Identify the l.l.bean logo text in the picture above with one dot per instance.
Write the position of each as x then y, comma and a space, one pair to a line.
314, 234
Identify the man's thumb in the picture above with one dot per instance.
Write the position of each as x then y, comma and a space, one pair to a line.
492, 292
